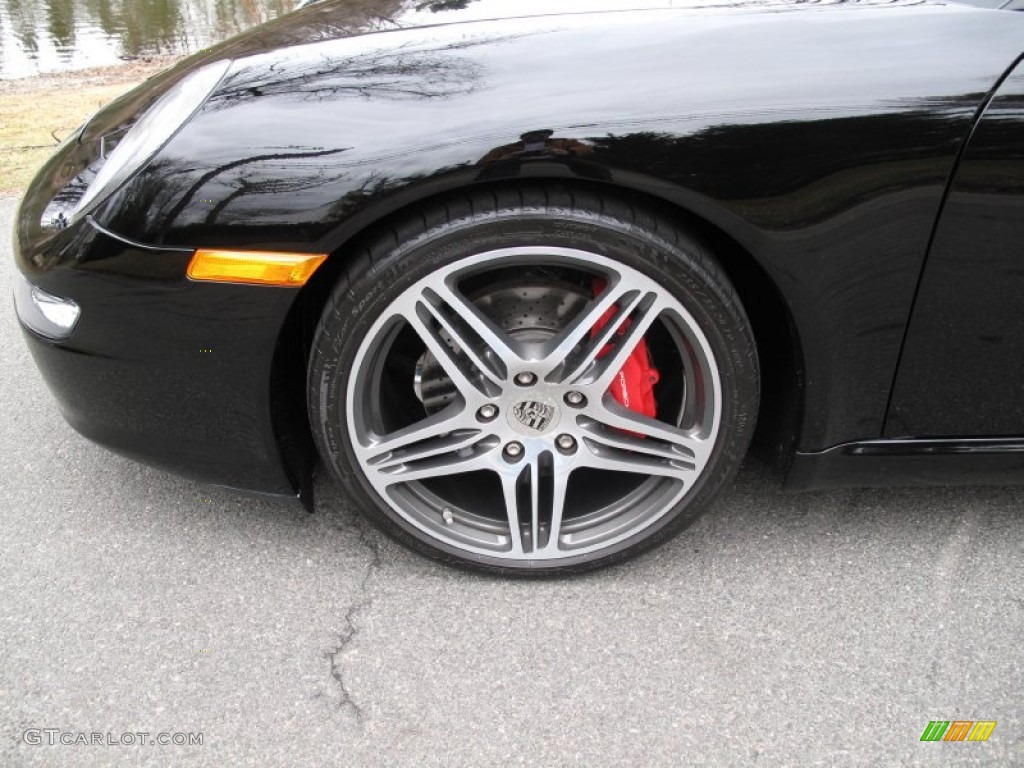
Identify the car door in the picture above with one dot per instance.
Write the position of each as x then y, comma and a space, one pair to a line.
962, 369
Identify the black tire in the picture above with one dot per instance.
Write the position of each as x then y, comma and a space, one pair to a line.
442, 232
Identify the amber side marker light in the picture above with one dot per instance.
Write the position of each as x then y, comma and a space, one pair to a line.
254, 267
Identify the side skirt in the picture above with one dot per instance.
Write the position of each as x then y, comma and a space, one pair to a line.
966, 461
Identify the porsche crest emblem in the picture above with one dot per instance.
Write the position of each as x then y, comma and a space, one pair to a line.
534, 415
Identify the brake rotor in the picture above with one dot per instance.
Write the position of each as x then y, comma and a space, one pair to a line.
531, 313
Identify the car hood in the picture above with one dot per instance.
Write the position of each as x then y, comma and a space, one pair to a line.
336, 19
332, 19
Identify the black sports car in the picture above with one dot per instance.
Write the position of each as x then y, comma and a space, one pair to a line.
525, 276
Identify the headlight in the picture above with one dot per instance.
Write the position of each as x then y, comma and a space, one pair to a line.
151, 131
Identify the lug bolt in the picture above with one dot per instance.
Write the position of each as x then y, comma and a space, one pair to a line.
513, 451
487, 412
575, 399
526, 379
566, 443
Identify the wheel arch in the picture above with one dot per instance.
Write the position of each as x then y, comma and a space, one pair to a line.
776, 334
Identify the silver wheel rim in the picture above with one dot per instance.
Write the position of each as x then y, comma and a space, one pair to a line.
533, 421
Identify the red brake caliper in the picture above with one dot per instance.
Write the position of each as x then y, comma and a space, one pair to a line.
634, 384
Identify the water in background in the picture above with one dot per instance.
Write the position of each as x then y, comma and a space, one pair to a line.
55, 35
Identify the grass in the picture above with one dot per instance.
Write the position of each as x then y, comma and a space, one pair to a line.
36, 113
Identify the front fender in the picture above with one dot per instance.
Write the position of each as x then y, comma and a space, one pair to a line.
820, 139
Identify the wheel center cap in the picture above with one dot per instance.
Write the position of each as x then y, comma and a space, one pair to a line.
533, 415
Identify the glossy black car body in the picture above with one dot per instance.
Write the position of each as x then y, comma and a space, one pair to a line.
859, 167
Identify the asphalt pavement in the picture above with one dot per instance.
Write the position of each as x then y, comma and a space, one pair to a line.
805, 630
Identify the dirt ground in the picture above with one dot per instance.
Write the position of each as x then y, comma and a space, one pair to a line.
36, 113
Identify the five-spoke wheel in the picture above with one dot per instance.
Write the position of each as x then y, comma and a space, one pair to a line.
473, 386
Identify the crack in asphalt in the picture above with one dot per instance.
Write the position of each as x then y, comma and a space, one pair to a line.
348, 635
